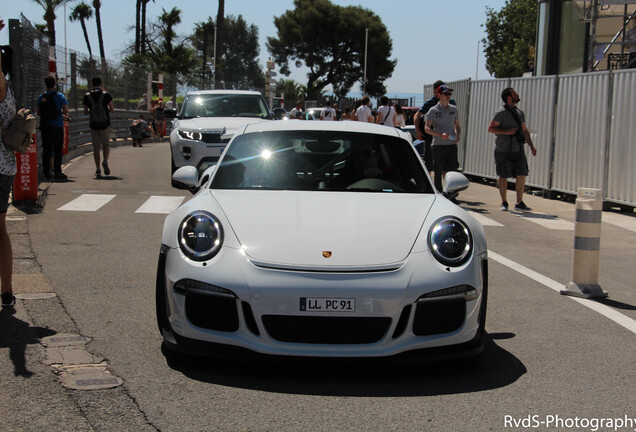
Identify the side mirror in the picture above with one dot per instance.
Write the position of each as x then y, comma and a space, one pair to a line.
186, 177
455, 183
170, 113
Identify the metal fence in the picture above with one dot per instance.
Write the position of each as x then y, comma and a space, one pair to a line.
583, 126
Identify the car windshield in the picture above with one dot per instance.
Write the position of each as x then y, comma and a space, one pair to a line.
225, 105
321, 161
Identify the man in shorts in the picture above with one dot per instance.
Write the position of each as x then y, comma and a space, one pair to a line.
442, 123
509, 126
100, 130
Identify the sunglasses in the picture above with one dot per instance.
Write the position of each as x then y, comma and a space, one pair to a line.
447, 93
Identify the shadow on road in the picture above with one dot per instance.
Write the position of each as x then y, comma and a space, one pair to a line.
16, 335
495, 368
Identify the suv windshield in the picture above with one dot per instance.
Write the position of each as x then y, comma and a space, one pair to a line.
321, 161
225, 105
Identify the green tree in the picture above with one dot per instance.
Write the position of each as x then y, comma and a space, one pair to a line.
169, 52
330, 41
510, 38
82, 12
49, 7
239, 62
293, 91
203, 42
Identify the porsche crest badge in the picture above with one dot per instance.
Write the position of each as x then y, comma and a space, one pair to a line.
327, 254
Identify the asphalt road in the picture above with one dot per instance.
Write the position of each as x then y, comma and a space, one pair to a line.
550, 363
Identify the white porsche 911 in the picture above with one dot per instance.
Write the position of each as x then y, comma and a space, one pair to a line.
321, 239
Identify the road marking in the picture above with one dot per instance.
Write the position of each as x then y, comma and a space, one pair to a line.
87, 202
160, 204
483, 219
547, 221
606, 311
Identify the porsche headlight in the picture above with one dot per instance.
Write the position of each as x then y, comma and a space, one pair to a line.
200, 236
450, 241
195, 136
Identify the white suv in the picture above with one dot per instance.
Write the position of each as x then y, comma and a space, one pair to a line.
207, 121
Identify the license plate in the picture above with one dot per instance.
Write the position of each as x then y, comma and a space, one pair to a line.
327, 304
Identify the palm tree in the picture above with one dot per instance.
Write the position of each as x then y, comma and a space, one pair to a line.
49, 7
138, 28
81, 12
142, 34
97, 4
170, 20
220, 38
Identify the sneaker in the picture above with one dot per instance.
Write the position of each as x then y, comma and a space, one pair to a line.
61, 176
504, 206
8, 299
98, 174
522, 207
106, 169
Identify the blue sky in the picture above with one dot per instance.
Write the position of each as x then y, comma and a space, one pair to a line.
431, 39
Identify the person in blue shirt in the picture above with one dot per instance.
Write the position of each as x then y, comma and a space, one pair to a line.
52, 108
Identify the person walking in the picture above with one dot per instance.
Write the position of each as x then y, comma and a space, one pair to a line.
364, 113
8, 169
419, 120
442, 122
386, 113
52, 107
509, 127
99, 104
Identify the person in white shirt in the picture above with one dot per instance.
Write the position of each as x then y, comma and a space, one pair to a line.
363, 113
328, 113
297, 112
386, 113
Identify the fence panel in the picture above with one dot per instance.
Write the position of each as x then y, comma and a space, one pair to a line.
538, 104
581, 132
461, 94
484, 101
621, 175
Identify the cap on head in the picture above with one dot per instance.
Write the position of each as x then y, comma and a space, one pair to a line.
444, 89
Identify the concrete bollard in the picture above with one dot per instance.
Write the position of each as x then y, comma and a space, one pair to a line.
587, 245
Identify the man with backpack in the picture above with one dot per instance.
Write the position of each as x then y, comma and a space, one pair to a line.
98, 105
52, 107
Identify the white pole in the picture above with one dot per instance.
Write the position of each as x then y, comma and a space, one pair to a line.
477, 63
366, 42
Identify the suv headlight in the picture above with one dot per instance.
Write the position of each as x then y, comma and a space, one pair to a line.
450, 241
200, 235
195, 136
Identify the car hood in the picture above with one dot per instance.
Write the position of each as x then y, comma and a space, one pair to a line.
231, 124
325, 229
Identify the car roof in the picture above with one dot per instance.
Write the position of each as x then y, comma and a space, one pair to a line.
303, 125
200, 92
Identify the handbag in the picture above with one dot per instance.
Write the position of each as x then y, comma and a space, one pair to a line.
18, 136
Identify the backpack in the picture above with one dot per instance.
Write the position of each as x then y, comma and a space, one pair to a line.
97, 114
48, 107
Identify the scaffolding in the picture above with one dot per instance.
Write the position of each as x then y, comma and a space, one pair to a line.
612, 32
